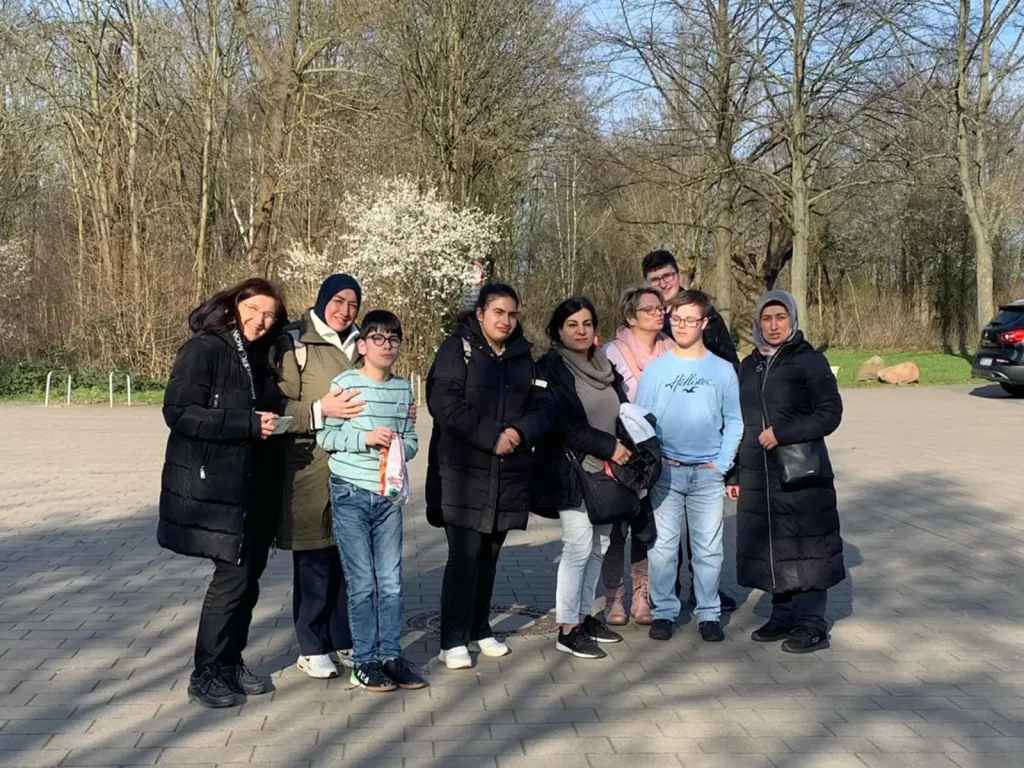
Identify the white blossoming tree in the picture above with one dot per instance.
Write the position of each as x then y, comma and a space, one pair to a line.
413, 253
15, 276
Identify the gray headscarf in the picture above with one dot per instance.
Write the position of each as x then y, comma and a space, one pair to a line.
785, 298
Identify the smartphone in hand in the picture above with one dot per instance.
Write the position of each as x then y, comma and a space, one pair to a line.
281, 424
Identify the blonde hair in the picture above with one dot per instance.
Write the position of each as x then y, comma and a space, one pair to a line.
630, 301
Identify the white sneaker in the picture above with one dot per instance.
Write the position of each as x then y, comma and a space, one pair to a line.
493, 648
456, 658
344, 658
319, 667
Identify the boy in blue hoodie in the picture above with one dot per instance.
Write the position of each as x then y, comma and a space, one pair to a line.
368, 525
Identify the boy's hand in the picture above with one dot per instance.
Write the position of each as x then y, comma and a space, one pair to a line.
380, 436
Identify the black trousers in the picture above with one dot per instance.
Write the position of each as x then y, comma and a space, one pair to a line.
320, 602
806, 608
468, 585
227, 610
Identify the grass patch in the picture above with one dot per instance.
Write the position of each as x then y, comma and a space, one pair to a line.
936, 367
86, 396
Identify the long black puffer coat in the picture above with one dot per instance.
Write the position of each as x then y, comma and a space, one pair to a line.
787, 540
557, 485
221, 484
472, 401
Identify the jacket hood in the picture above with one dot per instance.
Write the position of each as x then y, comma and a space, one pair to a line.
468, 327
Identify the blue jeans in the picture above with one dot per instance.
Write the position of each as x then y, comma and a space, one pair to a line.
368, 528
699, 494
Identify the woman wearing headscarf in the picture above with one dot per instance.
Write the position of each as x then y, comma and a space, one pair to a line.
221, 472
311, 353
787, 533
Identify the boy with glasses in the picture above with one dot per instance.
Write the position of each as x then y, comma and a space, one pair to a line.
696, 399
367, 525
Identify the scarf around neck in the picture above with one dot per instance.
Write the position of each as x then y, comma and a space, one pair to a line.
594, 377
635, 353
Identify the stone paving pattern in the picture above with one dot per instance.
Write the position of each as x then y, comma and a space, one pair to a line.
927, 665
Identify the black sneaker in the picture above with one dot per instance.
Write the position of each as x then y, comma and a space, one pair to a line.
711, 631
243, 681
209, 688
728, 603
772, 631
804, 640
598, 631
372, 677
661, 629
579, 644
401, 672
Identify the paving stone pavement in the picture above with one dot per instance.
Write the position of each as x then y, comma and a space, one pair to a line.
927, 665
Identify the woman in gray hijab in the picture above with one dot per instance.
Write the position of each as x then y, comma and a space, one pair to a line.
787, 523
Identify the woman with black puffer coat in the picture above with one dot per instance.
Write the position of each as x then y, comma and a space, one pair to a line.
220, 495
490, 409
787, 532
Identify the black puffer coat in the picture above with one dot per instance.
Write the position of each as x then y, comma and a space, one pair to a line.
556, 484
787, 539
221, 484
472, 401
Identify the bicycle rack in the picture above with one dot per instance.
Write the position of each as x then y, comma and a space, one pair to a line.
128, 385
49, 380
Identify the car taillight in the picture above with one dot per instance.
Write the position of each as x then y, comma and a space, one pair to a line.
1015, 336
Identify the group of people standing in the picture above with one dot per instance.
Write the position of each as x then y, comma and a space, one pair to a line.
278, 430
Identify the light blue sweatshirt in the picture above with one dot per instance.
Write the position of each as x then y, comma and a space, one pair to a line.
387, 405
697, 404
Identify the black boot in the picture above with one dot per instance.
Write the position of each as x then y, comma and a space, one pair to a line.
209, 688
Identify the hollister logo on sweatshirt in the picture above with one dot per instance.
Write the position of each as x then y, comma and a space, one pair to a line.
689, 383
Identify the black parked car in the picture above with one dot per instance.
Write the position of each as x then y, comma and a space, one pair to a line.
1000, 356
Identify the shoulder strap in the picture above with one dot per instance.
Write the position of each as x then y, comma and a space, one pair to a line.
299, 346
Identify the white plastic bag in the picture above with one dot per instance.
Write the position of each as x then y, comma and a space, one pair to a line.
394, 480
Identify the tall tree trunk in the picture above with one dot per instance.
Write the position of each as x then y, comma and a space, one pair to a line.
800, 199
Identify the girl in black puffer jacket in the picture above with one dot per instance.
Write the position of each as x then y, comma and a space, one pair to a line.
221, 483
489, 411
787, 538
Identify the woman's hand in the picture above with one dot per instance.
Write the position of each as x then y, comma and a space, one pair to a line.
341, 403
508, 441
767, 439
380, 436
732, 492
267, 424
621, 454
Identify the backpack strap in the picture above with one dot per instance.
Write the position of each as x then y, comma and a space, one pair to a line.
299, 346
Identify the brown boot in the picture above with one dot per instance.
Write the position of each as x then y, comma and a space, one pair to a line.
641, 608
615, 606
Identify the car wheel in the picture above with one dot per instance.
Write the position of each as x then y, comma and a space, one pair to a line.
1014, 390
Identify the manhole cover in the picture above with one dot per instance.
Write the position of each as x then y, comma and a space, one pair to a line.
506, 620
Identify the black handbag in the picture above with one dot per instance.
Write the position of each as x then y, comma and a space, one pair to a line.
607, 500
800, 464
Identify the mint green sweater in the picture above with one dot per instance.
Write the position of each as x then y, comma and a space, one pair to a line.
387, 405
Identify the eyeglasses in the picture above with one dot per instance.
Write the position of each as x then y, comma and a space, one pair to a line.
687, 322
652, 310
268, 317
379, 340
663, 279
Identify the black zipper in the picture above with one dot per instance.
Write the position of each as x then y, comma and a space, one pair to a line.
767, 475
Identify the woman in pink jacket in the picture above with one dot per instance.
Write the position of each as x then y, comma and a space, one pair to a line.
637, 342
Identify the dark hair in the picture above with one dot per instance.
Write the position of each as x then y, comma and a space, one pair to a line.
219, 313
567, 309
491, 291
380, 321
656, 260
692, 296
